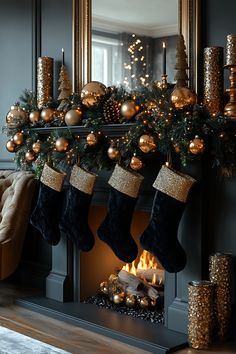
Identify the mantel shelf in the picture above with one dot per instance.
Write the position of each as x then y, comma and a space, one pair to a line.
111, 130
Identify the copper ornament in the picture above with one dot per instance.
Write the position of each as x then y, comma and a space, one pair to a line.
34, 117
146, 143
18, 138
135, 163
30, 156
47, 114
16, 117
129, 109
91, 139
113, 153
62, 144
73, 116
196, 146
92, 94
37, 146
11, 146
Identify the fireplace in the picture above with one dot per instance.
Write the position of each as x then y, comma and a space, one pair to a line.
75, 277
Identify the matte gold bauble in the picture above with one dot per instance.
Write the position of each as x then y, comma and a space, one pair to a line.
62, 144
34, 117
91, 139
182, 97
113, 153
118, 298
18, 138
146, 143
73, 116
104, 287
37, 146
47, 114
197, 146
135, 163
130, 300
92, 94
30, 156
16, 117
11, 146
144, 302
128, 109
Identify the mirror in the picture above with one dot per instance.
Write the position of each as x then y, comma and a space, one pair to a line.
88, 26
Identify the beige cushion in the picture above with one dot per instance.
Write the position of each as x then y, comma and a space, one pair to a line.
16, 192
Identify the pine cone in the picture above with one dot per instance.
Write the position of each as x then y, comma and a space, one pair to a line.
111, 111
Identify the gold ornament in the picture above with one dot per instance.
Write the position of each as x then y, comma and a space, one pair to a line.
177, 148
11, 146
118, 298
36, 147
34, 117
47, 114
73, 116
104, 287
128, 109
62, 144
197, 146
153, 302
30, 155
144, 302
16, 117
146, 143
91, 139
92, 94
182, 97
135, 163
18, 138
130, 300
113, 153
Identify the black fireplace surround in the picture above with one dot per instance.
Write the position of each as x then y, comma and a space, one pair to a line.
62, 296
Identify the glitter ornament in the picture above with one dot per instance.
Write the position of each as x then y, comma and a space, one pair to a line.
73, 116
11, 146
196, 146
146, 143
92, 94
91, 139
129, 109
62, 144
18, 138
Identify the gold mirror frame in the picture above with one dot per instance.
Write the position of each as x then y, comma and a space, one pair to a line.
189, 17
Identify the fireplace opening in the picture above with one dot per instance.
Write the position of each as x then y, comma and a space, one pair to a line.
135, 289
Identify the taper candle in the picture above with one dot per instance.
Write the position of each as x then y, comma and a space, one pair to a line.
164, 58
63, 56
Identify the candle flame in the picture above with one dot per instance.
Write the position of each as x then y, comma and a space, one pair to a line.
62, 49
163, 45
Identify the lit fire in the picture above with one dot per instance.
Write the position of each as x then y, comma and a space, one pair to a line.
147, 268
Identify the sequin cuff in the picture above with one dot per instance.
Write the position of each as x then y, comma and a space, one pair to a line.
52, 178
82, 180
126, 182
173, 183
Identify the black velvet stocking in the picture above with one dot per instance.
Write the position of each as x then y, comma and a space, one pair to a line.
74, 222
46, 214
160, 236
115, 229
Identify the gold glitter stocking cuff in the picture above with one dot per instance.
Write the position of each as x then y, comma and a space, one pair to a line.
173, 183
126, 182
82, 180
52, 178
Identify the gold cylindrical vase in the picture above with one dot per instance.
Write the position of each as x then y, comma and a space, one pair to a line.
220, 275
44, 80
200, 313
213, 80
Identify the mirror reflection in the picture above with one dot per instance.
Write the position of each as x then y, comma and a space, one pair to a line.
128, 39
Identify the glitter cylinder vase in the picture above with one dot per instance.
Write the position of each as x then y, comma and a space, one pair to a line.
220, 275
200, 313
44, 80
213, 80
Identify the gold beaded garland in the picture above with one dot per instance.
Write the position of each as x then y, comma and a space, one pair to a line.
146, 143
91, 139
37, 146
73, 116
128, 109
196, 146
62, 144
30, 156
18, 138
11, 146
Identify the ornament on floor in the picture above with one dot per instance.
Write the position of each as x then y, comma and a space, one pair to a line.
11, 146
16, 117
146, 143
34, 117
135, 163
37, 146
104, 287
73, 116
143, 302
92, 94
30, 156
111, 111
91, 139
47, 114
129, 109
130, 300
118, 298
197, 146
182, 96
18, 138
62, 144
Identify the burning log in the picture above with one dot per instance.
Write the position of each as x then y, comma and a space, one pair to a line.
135, 286
149, 274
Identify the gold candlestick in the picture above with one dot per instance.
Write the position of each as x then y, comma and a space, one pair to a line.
164, 83
230, 108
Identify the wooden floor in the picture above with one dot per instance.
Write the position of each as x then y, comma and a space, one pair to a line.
66, 336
